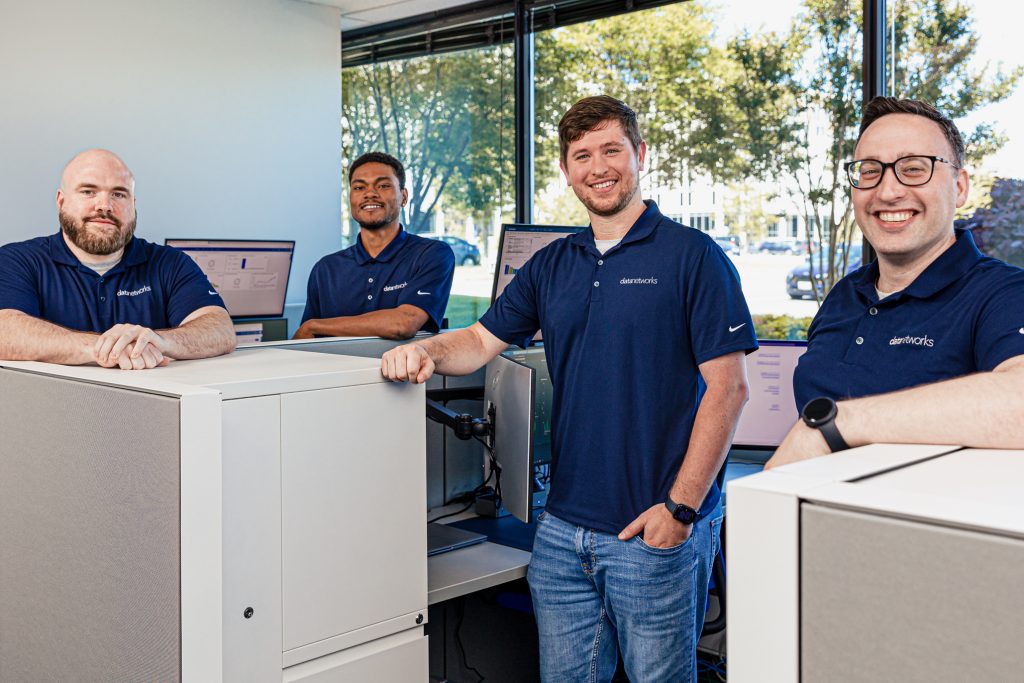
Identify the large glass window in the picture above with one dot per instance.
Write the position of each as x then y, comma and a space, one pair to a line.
449, 119
749, 110
965, 57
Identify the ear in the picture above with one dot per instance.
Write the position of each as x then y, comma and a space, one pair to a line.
60, 200
565, 173
642, 153
405, 195
963, 187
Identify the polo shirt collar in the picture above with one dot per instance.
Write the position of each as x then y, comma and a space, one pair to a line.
949, 267
134, 253
394, 246
641, 229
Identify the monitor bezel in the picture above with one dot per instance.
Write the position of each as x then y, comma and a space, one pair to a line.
526, 227
288, 275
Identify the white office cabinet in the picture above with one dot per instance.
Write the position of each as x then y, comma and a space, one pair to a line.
255, 517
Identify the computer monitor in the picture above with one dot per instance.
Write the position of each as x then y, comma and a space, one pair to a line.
250, 275
771, 410
509, 404
518, 243
542, 396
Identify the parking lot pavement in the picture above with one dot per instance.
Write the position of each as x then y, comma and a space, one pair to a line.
763, 277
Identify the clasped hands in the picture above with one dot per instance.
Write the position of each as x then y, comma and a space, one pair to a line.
130, 347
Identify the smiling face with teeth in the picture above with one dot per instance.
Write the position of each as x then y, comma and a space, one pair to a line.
603, 169
374, 196
908, 226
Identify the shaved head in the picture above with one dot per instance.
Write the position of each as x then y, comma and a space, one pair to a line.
91, 158
96, 204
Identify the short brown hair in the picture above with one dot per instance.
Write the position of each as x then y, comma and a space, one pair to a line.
883, 106
592, 113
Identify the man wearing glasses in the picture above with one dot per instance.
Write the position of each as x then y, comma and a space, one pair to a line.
926, 344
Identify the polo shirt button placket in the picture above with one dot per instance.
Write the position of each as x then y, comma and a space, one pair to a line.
859, 340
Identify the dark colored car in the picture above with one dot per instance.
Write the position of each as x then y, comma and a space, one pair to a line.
798, 282
728, 245
466, 254
769, 247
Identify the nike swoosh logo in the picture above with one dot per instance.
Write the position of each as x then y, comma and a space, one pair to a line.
1021, 330
422, 293
212, 293
733, 329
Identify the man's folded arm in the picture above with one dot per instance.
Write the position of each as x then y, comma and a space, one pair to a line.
402, 322
205, 332
983, 410
24, 337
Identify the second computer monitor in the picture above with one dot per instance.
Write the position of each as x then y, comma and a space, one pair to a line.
250, 275
518, 243
771, 411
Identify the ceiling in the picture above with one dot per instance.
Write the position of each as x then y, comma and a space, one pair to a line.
362, 13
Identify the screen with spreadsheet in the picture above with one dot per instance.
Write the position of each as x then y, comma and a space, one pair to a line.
250, 275
518, 243
771, 410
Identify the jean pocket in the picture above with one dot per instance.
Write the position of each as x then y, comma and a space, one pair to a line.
672, 550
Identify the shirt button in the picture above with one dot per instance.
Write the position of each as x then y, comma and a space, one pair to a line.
370, 280
600, 262
597, 284
103, 298
873, 311
369, 296
860, 340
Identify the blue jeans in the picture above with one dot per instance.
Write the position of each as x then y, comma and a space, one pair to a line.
593, 594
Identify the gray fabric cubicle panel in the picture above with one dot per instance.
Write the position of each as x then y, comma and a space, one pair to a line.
886, 599
89, 532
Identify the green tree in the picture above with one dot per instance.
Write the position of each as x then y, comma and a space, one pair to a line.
449, 118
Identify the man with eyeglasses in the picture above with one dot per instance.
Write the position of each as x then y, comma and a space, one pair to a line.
926, 344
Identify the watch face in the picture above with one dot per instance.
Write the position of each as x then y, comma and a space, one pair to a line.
819, 410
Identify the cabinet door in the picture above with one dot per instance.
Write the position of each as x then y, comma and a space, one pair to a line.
353, 509
252, 539
398, 658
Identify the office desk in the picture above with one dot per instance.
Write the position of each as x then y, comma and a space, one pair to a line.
886, 562
207, 521
468, 570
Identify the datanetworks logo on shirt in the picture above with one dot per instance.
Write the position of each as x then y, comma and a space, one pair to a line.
391, 288
638, 281
134, 292
912, 341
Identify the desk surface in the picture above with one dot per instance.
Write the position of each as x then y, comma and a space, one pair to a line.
467, 570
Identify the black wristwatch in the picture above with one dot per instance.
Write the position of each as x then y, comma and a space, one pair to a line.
820, 413
680, 512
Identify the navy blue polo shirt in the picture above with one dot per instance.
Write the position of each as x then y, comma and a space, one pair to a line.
963, 314
411, 270
154, 286
624, 334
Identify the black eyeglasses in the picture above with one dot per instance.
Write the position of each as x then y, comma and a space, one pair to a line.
911, 171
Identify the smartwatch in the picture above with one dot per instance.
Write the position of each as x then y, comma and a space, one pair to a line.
820, 413
680, 512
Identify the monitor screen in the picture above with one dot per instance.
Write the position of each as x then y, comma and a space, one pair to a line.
250, 275
771, 410
518, 243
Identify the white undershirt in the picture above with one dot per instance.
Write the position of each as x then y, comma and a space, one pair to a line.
604, 245
102, 268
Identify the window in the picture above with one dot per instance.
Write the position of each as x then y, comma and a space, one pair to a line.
965, 57
449, 119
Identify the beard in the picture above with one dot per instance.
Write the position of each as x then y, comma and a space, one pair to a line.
387, 219
621, 202
93, 243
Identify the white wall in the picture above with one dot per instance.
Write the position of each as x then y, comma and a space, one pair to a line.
227, 111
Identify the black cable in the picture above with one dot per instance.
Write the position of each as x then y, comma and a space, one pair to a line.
452, 514
460, 614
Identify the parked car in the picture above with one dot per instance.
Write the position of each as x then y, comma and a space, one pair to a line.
466, 254
773, 247
798, 281
728, 245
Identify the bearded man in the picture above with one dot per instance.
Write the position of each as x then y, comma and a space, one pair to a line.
95, 293
389, 283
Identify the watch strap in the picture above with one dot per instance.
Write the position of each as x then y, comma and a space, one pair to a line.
833, 438
681, 512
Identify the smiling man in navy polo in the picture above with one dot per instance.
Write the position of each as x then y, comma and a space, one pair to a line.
94, 293
926, 344
389, 283
635, 312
